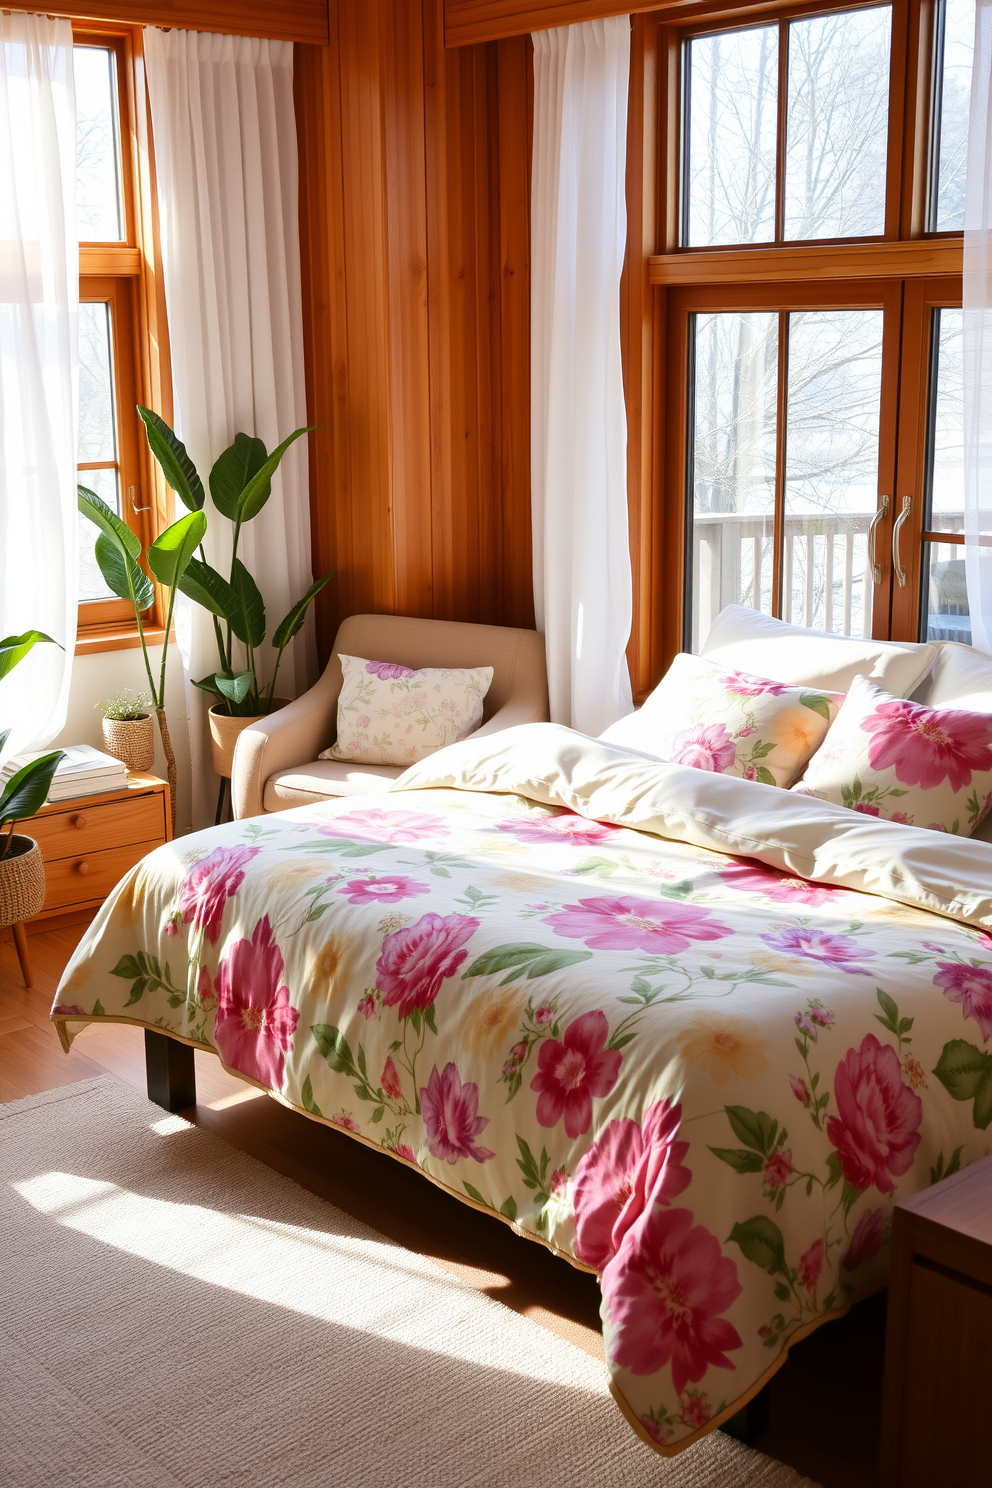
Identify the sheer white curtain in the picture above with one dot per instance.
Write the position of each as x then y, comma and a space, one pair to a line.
582, 580
39, 314
226, 160
978, 338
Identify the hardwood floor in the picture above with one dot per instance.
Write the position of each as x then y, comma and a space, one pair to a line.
825, 1401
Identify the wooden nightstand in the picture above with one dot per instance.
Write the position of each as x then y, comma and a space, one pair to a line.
89, 843
937, 1408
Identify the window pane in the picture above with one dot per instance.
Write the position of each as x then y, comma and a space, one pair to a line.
837, 125
831, 482
956, 45
732, 83
732, 463
945, 595
98, 192
91, 581
945, 474
97, 439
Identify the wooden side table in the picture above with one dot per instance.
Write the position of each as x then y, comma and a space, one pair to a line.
937, 1407
89, 843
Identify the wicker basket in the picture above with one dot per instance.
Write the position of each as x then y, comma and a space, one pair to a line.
225, 732
22, 881
131, 740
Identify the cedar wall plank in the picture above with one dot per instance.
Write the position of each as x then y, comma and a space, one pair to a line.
467, 22
415, 226
302, 21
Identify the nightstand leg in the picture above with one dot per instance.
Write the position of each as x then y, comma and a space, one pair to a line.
21, 943
219, 813
170, 1072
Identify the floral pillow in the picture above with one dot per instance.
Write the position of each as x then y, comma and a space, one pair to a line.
705, 715
393, 715
887, 756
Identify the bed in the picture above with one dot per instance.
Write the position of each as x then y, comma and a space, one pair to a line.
695, 1033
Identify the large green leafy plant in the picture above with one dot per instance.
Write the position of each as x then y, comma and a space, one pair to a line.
27, 789
240, 484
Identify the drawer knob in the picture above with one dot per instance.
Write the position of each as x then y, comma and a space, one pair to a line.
79, 821
82, 867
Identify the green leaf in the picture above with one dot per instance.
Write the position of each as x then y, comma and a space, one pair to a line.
288, 627
762, 748
756, 1129
256, 492
117, 532
205, 586
982, 1113
170, 452
209, 684
378, 1114
891, 1019
306, 1096
334, 1048
138, 990
233, 470
98, 1009
508, 1208
764, 775
961, 1068
761, 1241
128, 967
740, 1159
124, 577
248, 619
27, 789
172, 550
834, 1170
817, 703
474, 1193
14, 648
236, 688
524, 958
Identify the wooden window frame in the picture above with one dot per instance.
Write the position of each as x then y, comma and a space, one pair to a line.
750, 276
128, 277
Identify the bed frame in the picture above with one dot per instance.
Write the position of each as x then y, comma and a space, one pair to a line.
170, 1071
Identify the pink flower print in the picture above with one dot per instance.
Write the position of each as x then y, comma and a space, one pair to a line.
367, 1006
663, 1294
388, 671
657, 1430
755, 878
627, 1170
373, 824
542, 1015
839, 951
928, 745
901, 818
971, 986
811, 1265
415, 961
914, 1073
209, 884
382, 890
805, 1025
742, 684
750, 773
571, 1070
626, 924
558, 1184
349, 1123
778, 1171
705, 747
867, 1240
875, 1130
450, 1112
405, 1152
936, 827
204, 990
820, 1015
866, 808
799, 1090
69, 1010
390, 1081
518, 1053
255, 1023
694, 1412
564, 828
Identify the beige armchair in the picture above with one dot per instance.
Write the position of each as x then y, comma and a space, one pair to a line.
275, 762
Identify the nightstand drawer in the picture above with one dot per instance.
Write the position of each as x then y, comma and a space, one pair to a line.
86, 831
90, 876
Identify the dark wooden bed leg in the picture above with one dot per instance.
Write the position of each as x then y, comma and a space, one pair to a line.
753, 1419
170, 1071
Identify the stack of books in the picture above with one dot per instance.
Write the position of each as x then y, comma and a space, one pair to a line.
83, 772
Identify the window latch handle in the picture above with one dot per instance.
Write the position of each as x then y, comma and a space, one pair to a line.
897, 568
873, 563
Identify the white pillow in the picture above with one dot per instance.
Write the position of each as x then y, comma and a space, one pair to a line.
392, 715
754, 642
963, 679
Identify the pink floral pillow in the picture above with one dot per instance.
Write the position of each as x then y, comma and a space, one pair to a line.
886, 756
729, 722
392, 715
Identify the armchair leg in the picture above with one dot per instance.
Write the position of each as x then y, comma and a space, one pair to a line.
170, 1072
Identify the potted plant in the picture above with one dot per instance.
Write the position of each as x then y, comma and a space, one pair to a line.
128, 730
22, 869
240, 484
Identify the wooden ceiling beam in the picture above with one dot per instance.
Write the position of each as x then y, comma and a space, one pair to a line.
469, 21
302, 20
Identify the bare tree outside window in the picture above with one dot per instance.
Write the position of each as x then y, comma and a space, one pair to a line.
732, 80
957, 20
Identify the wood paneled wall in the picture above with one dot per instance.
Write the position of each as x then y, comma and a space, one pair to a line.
302, 20
415, 169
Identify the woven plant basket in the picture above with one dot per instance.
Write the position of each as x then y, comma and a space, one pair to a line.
131, 740
22, 881
225, 732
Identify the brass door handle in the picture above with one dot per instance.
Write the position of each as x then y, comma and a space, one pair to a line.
873, 563
897, 568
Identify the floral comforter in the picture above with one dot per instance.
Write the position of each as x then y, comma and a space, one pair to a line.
702, 1077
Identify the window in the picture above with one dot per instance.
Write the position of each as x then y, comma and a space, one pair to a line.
812, 405
113, 364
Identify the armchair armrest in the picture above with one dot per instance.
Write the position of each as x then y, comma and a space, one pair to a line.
293, 736
514, 711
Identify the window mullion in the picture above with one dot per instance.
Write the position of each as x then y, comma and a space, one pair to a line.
781, 417
782, 116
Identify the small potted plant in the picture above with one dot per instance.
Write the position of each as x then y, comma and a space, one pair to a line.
129, 729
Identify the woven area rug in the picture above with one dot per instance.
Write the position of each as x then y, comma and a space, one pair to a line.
177, 1315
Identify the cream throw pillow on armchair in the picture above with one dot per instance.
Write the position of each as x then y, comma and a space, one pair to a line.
391, 715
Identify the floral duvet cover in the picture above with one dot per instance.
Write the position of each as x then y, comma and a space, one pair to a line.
704, 1078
